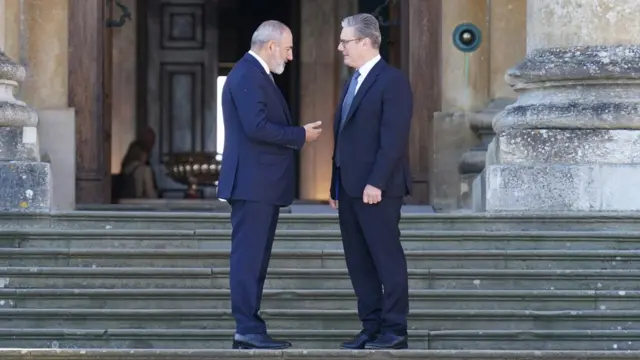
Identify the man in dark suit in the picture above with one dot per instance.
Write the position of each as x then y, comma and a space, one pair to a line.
257, 175
370, 178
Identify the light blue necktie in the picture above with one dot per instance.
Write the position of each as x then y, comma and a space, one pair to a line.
346, 104
348, 99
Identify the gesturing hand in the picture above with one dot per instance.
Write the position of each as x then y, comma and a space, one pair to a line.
312, 131
371, 195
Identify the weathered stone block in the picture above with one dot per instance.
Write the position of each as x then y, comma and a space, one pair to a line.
546, 188
582, 87
25, 187
19, 143
454, 137
580, 146
479, 198
571, 142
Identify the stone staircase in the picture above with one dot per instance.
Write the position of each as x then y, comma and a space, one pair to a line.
155, 286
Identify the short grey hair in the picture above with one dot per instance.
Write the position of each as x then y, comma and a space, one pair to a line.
365, 26
270, 30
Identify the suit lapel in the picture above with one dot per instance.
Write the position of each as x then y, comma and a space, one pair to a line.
362, 91
336, 120
281, 99
276, 89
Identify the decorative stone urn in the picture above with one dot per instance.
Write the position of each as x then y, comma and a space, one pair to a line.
25, 181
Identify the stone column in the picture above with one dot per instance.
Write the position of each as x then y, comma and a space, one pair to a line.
319, 90
10, 24
571, 142
47, 29
3, 24
25, 183
45, 52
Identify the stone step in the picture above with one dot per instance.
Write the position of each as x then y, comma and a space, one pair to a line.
563, 221
330, 299
189, 354
320, 239
326, 259
172, 338
589, 340
577, 340
313, 319
216, 278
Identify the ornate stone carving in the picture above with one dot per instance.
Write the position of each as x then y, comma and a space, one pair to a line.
25, 183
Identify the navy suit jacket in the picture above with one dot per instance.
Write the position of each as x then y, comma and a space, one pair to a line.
373, 140
258, 162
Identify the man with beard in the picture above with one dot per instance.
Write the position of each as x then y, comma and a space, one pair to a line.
257, 175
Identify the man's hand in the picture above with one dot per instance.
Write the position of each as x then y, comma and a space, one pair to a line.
333, 204
371, 195
312, 131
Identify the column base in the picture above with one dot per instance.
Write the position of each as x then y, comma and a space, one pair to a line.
19, 143
25, 187
553, 188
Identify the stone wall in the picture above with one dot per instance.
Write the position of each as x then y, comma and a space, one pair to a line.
474, 91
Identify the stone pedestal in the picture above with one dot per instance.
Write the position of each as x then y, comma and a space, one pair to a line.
472, 162
25, 184
572, 140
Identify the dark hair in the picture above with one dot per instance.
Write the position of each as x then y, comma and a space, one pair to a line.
136, 152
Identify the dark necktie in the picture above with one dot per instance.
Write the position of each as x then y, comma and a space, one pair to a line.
348, 99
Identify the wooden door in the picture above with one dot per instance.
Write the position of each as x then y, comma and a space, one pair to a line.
90, 66
420, 54
181, 77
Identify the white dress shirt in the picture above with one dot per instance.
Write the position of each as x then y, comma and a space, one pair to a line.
365, 69
262, 62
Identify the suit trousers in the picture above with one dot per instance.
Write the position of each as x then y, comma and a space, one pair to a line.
254, 226
376, 261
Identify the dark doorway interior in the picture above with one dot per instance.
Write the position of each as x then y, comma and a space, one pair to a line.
237, 21
184, 46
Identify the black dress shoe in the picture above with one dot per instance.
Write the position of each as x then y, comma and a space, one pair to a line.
359, 341
388, 341
258, 341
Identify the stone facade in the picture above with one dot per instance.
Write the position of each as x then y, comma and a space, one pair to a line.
99, 121
34, 34
473, 92
570, 142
